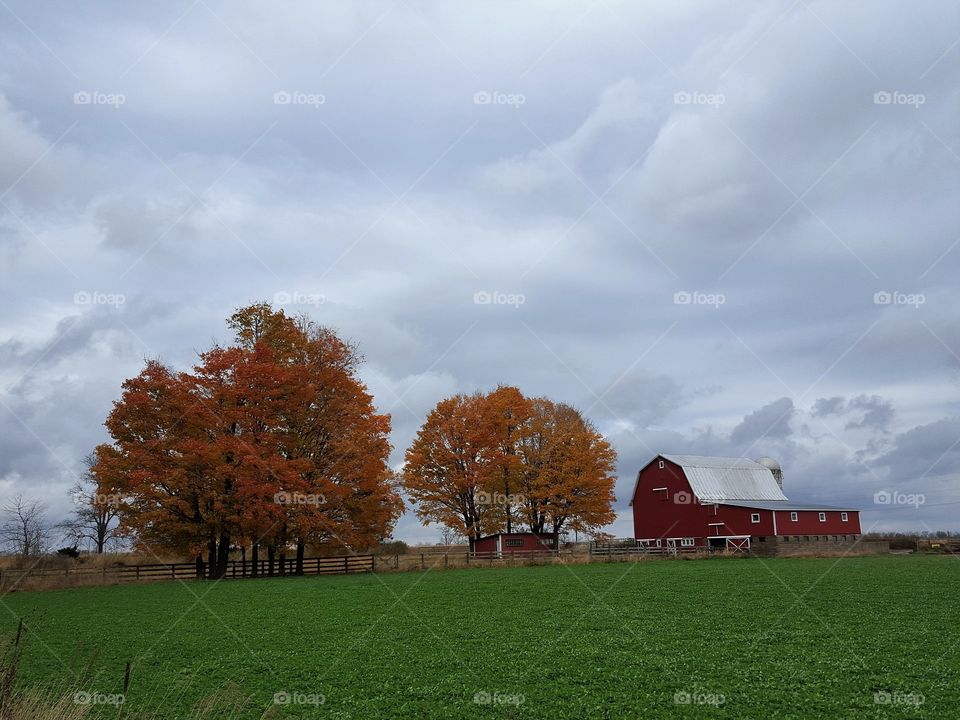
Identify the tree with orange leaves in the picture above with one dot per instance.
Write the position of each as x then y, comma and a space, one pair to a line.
482, 464
569, 479
273, 440
447, 469
508, 415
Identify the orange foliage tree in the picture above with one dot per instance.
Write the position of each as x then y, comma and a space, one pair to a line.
482, 464
271, 441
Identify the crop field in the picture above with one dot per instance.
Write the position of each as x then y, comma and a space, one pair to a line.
722, 638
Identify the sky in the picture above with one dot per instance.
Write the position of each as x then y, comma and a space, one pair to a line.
718, 229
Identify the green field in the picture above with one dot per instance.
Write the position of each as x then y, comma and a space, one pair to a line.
797, 638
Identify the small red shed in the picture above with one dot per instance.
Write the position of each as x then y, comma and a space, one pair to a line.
506, 543
692, 501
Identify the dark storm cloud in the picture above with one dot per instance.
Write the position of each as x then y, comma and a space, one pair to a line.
771, 421
754, 203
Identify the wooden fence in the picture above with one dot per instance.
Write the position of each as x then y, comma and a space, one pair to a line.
620, 550
339, 565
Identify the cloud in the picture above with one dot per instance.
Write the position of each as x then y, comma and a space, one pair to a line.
600, 200
772, 421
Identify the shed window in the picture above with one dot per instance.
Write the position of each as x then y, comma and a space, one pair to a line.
661, 465
687, 542
823, 517
793, 517
843, 517
755, 517
514, 542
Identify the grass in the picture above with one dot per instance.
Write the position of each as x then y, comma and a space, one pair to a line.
778, 638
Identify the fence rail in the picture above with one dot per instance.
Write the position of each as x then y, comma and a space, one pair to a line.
335, 565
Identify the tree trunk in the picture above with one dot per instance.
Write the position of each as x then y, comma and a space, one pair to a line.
223, 555
212, 558
256, 559
201, 570
300, 548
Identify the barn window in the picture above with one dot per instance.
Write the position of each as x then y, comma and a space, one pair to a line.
661, 465
658, 542
843, 517
687, 542
514, 542
823, 517
786, 538
793, 517
754, 517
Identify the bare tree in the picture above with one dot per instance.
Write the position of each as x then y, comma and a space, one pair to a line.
23, 526
450, 536
94, 512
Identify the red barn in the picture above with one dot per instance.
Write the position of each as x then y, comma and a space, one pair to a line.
732, 503
506, 543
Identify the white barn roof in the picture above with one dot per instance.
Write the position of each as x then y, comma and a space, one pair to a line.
716, 479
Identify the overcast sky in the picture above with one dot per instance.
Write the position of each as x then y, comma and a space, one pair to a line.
727, 228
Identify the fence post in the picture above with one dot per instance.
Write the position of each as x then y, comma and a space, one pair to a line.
346, 564
445, 559
423, 564
138, 572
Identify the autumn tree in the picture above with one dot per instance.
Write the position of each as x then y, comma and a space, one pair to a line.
482, 464
270, 440
447, 467
569, 479
344, 493
508, 415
